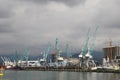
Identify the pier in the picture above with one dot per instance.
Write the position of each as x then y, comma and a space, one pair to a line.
67, 69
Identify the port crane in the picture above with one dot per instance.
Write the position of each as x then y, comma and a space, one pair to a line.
84, 51
68, 54
85, 55
46, 52
26, 55
86, 43
93, 41
85, 47
89, 59
90, 47
58, 51
16, 57
56, 45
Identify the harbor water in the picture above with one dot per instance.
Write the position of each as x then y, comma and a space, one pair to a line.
55, 75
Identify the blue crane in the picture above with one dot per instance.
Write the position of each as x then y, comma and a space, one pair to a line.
15, 56
56, 45
26, 54
47, 51
93, 41
85, 48
68, 51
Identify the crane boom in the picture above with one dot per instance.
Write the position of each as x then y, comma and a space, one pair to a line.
48, 50
68, 51
86, 43
56, 44
26, 54
93, 43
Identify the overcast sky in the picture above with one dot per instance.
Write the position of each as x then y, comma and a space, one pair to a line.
34, 23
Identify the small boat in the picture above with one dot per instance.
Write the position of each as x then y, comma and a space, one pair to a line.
93, 68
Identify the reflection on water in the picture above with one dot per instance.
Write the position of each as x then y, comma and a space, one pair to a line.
51, 75
1, 77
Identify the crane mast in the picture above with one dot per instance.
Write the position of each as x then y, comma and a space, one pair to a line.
68, 51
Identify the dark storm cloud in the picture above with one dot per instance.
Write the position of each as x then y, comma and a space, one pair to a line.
6, 28
6, 15
67, 2
5, 11
108, 14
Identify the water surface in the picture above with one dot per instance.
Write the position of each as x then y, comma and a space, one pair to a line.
54, 75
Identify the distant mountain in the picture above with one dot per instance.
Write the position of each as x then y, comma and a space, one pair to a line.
98, 56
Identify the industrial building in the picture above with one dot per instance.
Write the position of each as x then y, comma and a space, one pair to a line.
112, 52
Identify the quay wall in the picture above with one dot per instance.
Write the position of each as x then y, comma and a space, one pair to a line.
69, 69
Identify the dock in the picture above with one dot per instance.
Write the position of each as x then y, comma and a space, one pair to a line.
60, 69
